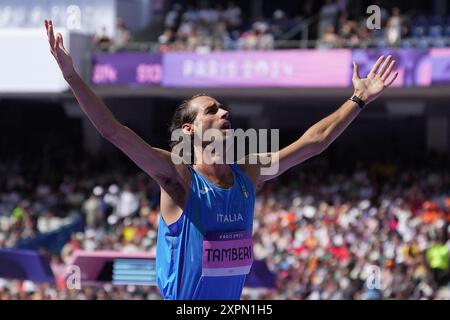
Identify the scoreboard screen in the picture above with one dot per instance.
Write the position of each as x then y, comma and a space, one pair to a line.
134, 271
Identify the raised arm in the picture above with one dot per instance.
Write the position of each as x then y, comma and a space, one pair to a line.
155, 162
318, 137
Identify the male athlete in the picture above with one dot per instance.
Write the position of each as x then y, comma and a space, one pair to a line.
204, 248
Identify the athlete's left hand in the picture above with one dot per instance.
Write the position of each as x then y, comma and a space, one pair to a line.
369, 88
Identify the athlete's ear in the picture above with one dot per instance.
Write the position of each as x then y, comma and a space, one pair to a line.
188, 128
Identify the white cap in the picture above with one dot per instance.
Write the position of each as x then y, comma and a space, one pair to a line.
97, 191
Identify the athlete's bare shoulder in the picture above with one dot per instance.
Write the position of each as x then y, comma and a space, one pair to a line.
174, 194
251, 165
182, 176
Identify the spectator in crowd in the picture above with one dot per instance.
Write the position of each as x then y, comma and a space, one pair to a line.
171, 19
327, 16
280, 23
127, 203
248, 40
349, 29
330, 39
438, 259
258, 38
121, 37
265, 37
233, 16
165, 40
117, 42
394, 28
102, 40
93, 208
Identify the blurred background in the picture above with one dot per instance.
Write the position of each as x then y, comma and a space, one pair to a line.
378, 200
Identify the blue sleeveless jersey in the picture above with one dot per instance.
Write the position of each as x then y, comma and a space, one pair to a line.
207, 252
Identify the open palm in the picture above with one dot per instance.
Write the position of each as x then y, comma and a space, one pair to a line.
376, 81
58, 51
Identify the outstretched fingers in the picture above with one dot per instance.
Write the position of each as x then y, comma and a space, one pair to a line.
373, 72
59, 38
59, 41
393, 79
387, 73
355, 71
385, 66
50, 34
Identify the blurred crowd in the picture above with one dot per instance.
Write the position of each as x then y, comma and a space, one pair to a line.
328, 235
215, 28
338, 28
27, 290
322, 231
122, 216
117, 42
334, 24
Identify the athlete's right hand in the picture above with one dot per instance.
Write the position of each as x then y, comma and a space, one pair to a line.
58, 51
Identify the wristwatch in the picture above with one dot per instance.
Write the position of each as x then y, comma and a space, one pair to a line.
358, 101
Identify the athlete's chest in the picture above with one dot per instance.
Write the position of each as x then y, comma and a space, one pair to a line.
226, 210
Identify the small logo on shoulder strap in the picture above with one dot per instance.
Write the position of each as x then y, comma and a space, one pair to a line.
244, 190
205, 190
